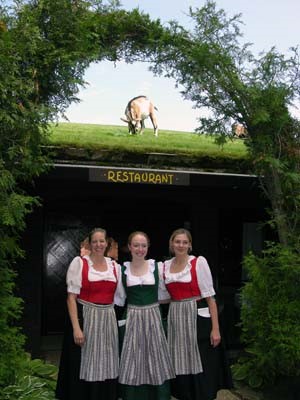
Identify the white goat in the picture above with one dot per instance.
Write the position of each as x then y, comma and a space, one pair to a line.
137, 110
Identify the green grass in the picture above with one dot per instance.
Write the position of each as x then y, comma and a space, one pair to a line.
107, 137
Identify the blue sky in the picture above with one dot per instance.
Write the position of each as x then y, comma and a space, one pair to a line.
267, 23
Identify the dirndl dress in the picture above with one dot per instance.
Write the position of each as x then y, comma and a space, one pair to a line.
145, 364
90, 372
216, 368
201, 370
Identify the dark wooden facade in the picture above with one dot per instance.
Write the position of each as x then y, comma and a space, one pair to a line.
223, 212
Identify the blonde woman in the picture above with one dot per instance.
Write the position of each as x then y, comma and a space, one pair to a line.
193, 331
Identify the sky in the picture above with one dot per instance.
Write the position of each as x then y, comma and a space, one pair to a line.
110, 86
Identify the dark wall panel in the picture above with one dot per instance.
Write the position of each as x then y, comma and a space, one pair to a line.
213, 209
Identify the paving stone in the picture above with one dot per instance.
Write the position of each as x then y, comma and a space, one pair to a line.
227, 395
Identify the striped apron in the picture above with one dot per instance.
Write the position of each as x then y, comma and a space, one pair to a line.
99, 354
182, 337
145, 358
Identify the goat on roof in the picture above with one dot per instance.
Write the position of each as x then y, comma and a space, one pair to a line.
239, 130
138, 109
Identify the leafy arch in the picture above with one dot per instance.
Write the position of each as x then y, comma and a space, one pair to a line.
46, 46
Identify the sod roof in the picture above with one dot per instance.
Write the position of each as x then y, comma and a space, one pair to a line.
105, 145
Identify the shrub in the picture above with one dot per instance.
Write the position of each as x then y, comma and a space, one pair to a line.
11, 339
270, 317
36, 380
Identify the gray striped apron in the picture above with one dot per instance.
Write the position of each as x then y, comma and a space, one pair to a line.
99, 354
145, 357
182, 337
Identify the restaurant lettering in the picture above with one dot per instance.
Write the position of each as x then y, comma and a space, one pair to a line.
140, 177
152, 177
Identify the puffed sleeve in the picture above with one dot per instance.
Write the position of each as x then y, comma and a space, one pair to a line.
74, 275
204, 278
163, 294
120, 294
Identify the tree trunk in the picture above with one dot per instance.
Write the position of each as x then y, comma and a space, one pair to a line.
275, 193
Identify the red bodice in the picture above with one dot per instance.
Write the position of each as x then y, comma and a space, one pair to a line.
185, 290
100, 292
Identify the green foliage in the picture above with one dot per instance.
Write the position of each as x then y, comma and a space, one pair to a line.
219, 73
45, 47
270, 317
11, 339
14, 206
36, 380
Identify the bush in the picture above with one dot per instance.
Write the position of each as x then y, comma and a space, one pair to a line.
11, 339
270, 317
37, 380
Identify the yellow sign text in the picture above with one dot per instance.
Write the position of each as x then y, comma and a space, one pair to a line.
158, 178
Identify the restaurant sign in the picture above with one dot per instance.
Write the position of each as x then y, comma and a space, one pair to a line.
138, 176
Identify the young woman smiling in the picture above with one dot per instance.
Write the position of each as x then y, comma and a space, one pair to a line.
145, 365
193, 330
90, 360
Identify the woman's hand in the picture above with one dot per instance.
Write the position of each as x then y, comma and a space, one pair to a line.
78, 337
215, 337
73, 313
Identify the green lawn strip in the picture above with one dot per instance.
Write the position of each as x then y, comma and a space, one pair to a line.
116, 138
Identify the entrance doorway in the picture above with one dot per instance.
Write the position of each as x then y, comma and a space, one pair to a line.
64, 232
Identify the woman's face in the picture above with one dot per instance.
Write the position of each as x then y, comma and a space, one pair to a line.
138, 246
98, 243
180, 244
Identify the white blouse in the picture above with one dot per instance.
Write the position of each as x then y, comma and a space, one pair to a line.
204, 278
146, 279
74, 275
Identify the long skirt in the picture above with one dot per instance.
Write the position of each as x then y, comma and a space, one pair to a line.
72, 366
216, 373
145, 365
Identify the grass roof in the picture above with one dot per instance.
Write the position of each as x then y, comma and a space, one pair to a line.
112, 145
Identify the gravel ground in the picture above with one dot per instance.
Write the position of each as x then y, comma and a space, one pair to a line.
239, 394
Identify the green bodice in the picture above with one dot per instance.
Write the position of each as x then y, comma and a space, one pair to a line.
141, 295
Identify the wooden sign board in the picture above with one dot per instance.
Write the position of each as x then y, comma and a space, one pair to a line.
138, 176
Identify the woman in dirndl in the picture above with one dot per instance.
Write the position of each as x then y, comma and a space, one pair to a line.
89, 361
193, 330
145, 364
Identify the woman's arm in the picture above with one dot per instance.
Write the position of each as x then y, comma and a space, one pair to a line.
163, 294
215, 337
120, 294
73, 313
205, 283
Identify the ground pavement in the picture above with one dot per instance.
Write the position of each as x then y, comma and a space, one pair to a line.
236, 394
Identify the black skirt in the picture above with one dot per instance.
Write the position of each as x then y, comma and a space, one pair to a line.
216, 373
69, 386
